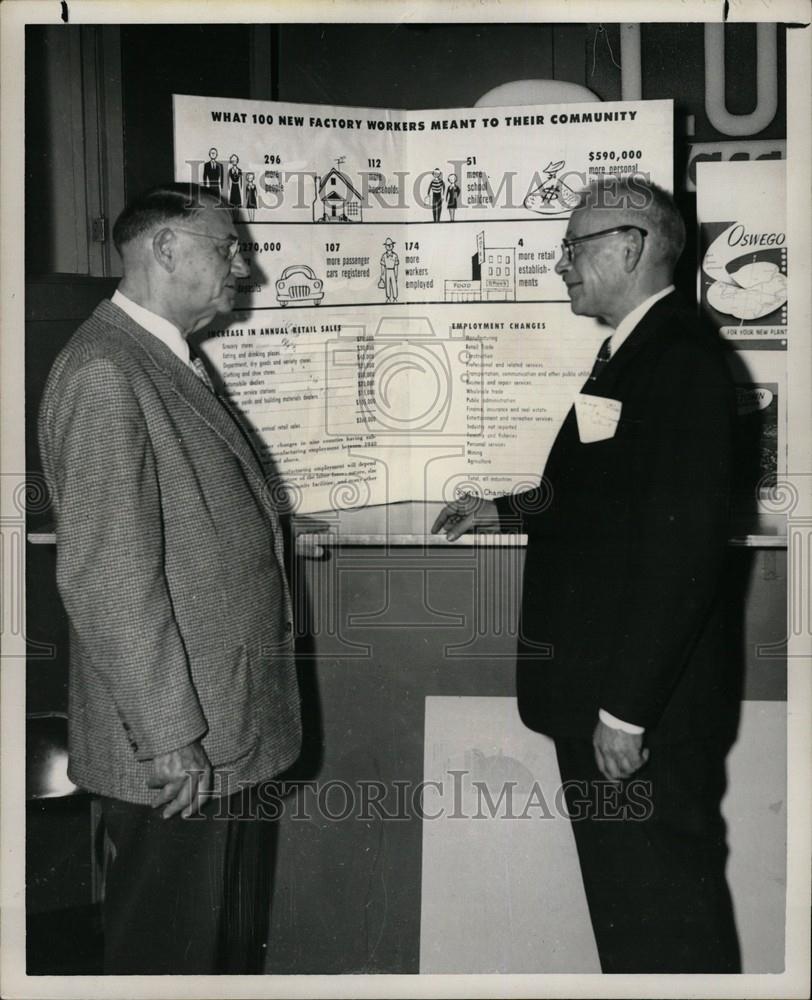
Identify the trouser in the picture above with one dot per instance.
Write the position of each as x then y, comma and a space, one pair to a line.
391, 285
436, 206
188, 896
653, 859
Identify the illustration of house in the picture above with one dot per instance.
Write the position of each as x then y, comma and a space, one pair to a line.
336, 199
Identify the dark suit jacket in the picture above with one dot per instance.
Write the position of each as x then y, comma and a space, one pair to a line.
169, 564
213, 175
626, 545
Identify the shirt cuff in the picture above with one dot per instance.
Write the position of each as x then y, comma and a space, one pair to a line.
614, 723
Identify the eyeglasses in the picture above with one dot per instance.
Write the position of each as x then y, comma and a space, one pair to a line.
229, 252
568, 246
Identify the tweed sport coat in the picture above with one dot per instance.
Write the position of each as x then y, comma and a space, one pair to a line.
621, 605
169, 565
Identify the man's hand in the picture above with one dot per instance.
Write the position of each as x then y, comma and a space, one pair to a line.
466, 514
618, 754
184, 776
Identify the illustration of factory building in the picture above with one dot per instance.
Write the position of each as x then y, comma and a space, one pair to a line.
493, 276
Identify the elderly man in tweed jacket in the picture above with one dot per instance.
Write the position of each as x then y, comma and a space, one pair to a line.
170, 566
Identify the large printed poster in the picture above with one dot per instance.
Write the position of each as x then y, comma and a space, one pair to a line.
744, 257
741, 206
403, 334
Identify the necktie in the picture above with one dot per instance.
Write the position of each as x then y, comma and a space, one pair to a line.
200, 370
602, 360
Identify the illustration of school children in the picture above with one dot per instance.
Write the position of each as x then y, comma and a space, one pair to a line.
452, 195
250, 195
436, 191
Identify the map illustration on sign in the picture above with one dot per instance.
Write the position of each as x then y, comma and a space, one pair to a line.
553, 196
758, 286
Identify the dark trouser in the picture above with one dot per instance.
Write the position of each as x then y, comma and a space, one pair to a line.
655, 886
436, 206
188, 896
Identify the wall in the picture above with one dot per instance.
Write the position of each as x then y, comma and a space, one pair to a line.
182, 59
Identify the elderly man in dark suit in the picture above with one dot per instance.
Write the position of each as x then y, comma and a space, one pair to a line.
621, 655
183, 694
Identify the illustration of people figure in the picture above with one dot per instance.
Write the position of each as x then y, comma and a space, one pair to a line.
452, 195
213, 173
250, 195
389, 271
235, 182
436, 190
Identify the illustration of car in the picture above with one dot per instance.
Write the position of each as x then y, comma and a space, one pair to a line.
298, 283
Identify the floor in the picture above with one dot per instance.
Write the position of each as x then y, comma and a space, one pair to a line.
504, 894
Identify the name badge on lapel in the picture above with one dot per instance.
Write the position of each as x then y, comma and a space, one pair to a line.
597, 417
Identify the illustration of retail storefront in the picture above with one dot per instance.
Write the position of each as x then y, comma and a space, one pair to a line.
336, 199
493, 276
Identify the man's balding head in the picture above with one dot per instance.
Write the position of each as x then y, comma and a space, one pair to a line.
623, 241
637, 201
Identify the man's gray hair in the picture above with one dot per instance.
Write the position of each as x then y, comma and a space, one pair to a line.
160, 205
640, 202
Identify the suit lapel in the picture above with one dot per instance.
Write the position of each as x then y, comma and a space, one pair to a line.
214, 410
640, 336
633, 344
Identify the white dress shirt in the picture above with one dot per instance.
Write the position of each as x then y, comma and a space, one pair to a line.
630, 320
622, 331
159, 327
